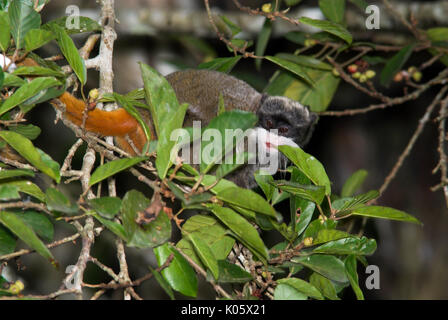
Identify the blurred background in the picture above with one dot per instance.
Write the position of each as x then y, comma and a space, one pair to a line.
175, 34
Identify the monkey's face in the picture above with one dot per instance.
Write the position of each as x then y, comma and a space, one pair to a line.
289, 117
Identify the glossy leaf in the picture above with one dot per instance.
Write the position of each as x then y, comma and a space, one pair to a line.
355, 246
57, 201
37, 71
7, 241
39, 222
205, 254
325, 286
107, 207
333, 9
244, 231
27, 91
5, 31
28, 131
247, 199
110, 168
85, 25
395, 64
36, 38
385, 213
231, 273
327, 235
28, 187
331, 27
180, 275
22, 18
306, 61
163, 283
9, 192
151, 234
113, 226
309, 165
303, 287
317, 97
353, 183
350, 268
286, 292
26, 234
6, 174
70, 53
292, 67
307, 192
165, 109
221, 64
26, 149
328, 266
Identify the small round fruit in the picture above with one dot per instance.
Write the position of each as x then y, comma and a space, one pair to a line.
398, 77
266, 8
356, 75
363, 78
417, 76
370, 74
352, 68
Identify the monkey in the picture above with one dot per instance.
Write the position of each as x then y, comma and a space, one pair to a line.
201, 90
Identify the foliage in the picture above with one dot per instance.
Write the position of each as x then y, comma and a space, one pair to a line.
315, 259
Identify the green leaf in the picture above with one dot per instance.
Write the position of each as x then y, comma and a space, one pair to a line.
303, 287
353, 183
12, 80
231, 273
36, 38
308, 165
361, 4
29, 188
57, 201
165, 110
113, 167
2, 78
128, 105
385, 213
27, 91
333, 9
265, 183
327, 235
26, 234
324, 285
262, 41
347, 205
317, 97
350, 268
221, 64
205, 254
331, 27
438, 34
85, 25
230, 120
307, 192
107, 207
292, 67
395, 64
7, 241
243, 230
286, 292
247, 199
9, 192
5, 33
305, 217
39, 222
6, 174
210, 231
356, 246
70, 53
38, 71
328, 266
305, 61
232, 26
180, 275
26, 149
23, 18
163, 283
28, 131
113, 226
151, 234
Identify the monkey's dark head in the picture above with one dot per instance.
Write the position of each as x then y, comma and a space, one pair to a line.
289, 117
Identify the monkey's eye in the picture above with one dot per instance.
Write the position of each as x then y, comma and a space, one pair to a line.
283, 130
269, 124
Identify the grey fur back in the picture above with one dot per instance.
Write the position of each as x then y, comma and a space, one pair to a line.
201, 90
